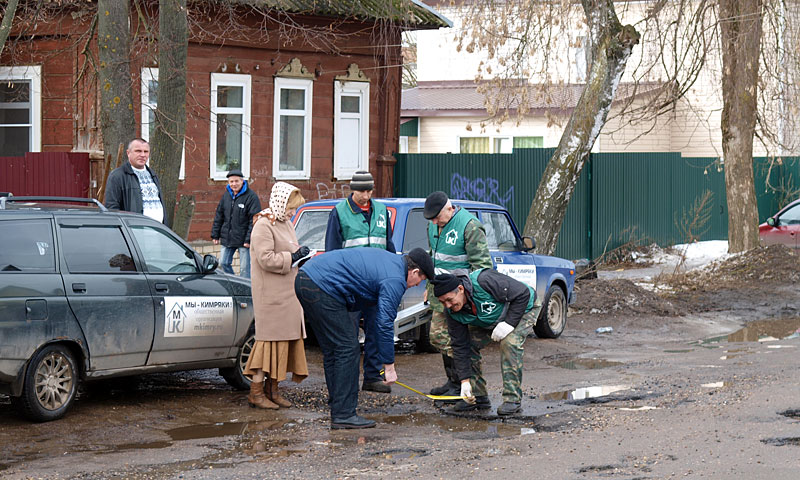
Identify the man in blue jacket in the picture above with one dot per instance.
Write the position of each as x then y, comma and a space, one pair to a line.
359, 221
329, 286
233, 222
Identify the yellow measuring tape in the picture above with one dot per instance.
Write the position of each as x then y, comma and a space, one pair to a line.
432, 397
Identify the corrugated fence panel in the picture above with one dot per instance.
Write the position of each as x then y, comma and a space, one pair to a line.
46, 174
620, 197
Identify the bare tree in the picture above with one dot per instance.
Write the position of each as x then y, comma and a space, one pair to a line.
8, 19
170, 115
740, 26
117, 120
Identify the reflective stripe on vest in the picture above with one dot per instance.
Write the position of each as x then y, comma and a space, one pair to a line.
449, 251
489, 311
355, 230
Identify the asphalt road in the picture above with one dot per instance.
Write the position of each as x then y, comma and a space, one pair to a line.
659, 397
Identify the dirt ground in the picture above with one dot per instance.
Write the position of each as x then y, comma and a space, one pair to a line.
697, 379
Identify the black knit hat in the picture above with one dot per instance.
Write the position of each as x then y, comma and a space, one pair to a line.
434, 204
423, 260
445, 283
362, 181
235, 173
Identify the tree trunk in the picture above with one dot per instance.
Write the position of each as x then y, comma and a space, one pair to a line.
8, 19
612, 44
741, 44
117, 122
167, 141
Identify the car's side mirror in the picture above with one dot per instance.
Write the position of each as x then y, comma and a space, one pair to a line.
210, 263
772, 222
528, 244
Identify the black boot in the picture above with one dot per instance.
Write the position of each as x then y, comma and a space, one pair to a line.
452, 386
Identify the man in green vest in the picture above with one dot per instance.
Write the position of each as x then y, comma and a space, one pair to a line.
480, 307
458, 245
359, 221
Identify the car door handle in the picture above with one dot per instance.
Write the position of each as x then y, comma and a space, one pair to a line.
162, 287
79, 287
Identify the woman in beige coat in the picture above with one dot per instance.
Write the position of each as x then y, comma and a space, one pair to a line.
279, 317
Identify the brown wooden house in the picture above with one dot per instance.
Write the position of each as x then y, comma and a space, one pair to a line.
305, 91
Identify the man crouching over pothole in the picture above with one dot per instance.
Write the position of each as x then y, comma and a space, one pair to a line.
484, 306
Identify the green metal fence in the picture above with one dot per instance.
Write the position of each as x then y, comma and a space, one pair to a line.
620, 197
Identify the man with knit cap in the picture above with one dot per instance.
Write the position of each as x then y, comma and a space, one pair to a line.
233, 222
328, 287
458, 245
480, 307
359, 221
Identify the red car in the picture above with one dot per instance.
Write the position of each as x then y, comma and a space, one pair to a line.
783, 227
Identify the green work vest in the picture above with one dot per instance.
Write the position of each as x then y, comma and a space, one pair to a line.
356, 232
489, 310
449, 254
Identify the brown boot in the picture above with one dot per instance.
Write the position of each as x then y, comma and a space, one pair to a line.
275, 395
257, 397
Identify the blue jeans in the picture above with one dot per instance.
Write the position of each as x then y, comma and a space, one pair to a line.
337, 336
227, 260
372, 366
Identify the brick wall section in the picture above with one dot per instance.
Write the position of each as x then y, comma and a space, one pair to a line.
204, 247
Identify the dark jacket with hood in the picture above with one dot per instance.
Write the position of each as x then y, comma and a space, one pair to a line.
234, 219
124, 193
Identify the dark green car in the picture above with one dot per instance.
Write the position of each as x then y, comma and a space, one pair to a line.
87, 293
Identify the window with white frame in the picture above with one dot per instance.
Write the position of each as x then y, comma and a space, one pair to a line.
20, 110
149, 104
350, 129
230, 124
497, 144
291, 148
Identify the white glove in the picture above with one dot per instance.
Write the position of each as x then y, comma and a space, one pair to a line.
466, 392
501, 331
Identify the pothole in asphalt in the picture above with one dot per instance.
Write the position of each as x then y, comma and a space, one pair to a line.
782, 442
769, 329
584, 392
463, 427
583, 363
794, 414
400, 453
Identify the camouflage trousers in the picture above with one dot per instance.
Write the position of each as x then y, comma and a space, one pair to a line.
511, 356
439, 335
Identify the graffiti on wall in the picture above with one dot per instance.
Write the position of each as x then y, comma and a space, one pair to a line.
481, 190
325, 191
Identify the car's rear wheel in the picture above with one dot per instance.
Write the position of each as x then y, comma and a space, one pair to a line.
50, 385
423, 343
235, 375
553, 317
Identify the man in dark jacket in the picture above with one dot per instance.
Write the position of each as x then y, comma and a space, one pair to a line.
328, 287
480, 307
134, 187
360, 221
234, 222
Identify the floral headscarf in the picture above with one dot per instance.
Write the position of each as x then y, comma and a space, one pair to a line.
278, 199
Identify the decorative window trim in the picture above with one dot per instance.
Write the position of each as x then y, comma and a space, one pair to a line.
295, 69
151, 74
360, 89
34, 74
354, 74
299, 83
237, 80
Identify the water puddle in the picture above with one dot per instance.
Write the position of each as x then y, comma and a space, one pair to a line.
766, 330
584, 392
782, 442
716, 385
400, 454
464, 428
583, 363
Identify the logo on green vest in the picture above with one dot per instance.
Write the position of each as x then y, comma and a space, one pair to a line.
451, 237
488, 307
381, 221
